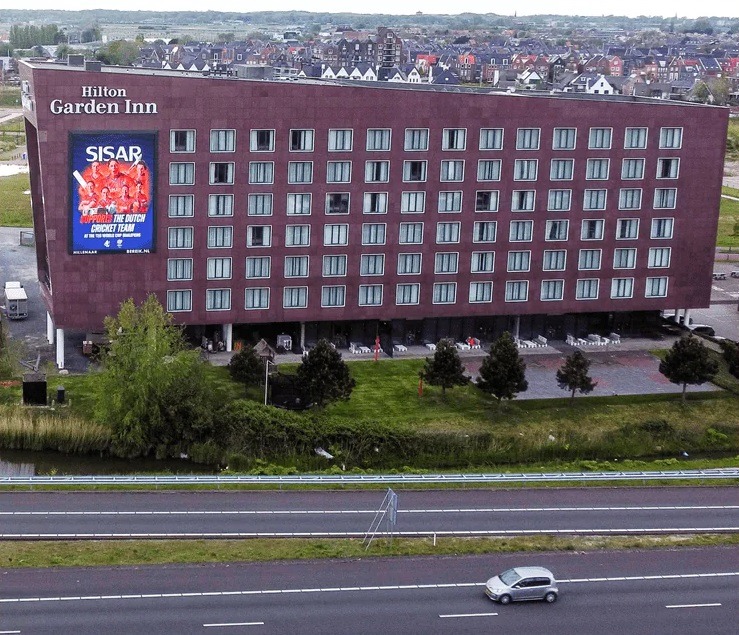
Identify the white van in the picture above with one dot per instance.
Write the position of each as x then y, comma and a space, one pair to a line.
16, 301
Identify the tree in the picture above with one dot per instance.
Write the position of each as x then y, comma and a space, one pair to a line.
323, 376
119, 53
444, 368
688, 362
62, 51
152, 392
246, 367
573, 375
503, 372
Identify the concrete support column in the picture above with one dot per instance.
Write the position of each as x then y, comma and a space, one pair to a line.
302, 336
228, 336
49, 328
517, 327
686, 319
677, 315
60, 349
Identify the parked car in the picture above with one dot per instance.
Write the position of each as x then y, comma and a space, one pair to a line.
522, 584
701, 329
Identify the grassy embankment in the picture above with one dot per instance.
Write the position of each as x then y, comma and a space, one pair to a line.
15, 205
10, 97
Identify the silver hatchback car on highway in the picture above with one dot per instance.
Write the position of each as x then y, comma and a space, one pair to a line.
523, 583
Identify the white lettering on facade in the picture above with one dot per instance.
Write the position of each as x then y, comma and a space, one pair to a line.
103, 91
93, 105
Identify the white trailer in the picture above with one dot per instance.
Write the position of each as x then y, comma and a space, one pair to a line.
16, 301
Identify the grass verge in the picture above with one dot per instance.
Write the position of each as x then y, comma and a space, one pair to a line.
15, 206
728, 223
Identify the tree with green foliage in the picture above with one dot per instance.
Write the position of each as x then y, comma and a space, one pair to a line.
444, 369
688, 362
731, 356
323, 376
62, 51
152, 391
246, 368
503, 372
573, 375
119, 53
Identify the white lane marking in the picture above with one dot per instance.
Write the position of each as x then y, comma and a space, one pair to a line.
234, 624
8, 632
689, 606
469, 615
404, 587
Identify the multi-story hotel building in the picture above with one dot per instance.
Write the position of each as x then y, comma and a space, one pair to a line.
346, 210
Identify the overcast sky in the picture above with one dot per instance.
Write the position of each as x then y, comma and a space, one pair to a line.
681, 8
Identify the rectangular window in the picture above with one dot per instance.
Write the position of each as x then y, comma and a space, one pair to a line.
670, 138
484, 231
521, 231
486, 201
295, 297
559, 200
662, 228
179, 301
597, 169
450, 201
488, 170
629, 199
298, 204
256, 298
181, 205
335, 235
340, 140
370, 295
376, 171
587, 289
447, 233
446, 262
412, 202
564, 139
491, 139
182, 141
561, 169
220, 205
297, 235
261, 172
414, 171
481, 292
594, 200
218, 299
339, 172
659, 257
517, 291
259, 205
632, 169
554, 260
409, 264
519, 260
624, 258
258, 236
372, 265
337, 203
523, 200
220, 237
454, 139
668, 168
258, 267
557, 229
373, 233
179, 269
452, 171
635, 139
378, 139
445, 292
410, 234
219, 269
627, 229
483, 262
262, 141
300, 172
301, 140
622, 288
334, 266
416, 139
179, 237
665, 198
181, 173
333, 296
407, 293
656, 287
527, 138
296, 267
592, 229
525, 170
221, 173
600, 139
552, 290
589, 259
374, 203
223, 141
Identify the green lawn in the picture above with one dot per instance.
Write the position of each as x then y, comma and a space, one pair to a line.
728, 223
10, 96
15, 206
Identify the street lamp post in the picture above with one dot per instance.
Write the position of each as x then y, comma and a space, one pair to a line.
266, 377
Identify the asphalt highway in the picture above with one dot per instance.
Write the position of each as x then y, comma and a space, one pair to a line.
29, 515
687, 591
